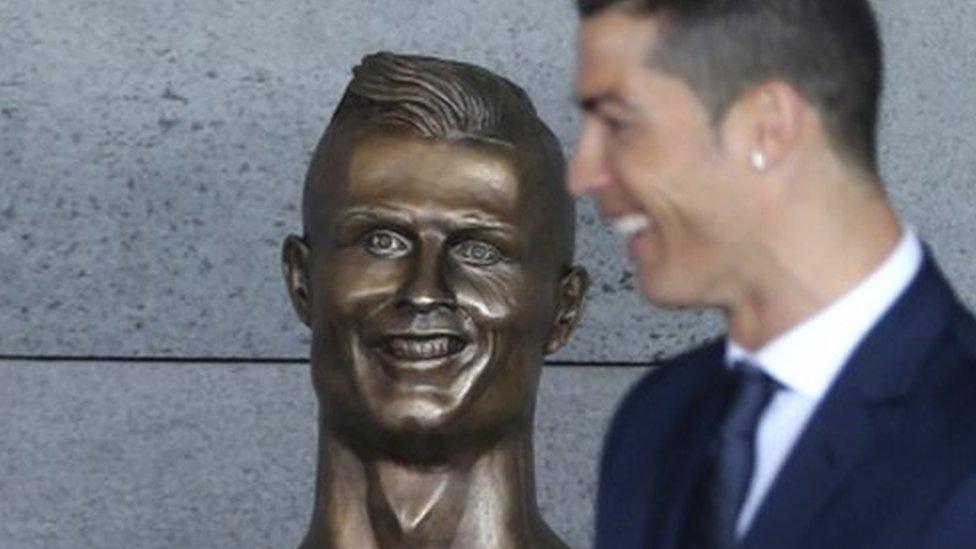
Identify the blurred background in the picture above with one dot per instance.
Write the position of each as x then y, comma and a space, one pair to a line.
153, 378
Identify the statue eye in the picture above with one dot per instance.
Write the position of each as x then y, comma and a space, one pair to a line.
386, 243
475, 252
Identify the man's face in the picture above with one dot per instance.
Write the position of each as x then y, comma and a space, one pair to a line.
433, 289
651, 157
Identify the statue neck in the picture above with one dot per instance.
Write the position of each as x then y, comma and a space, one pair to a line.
485, 500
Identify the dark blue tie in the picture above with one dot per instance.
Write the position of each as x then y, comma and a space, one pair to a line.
735, 456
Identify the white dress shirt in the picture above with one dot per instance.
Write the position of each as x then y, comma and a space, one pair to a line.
806, 359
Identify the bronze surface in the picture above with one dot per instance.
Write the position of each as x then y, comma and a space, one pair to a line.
435, 273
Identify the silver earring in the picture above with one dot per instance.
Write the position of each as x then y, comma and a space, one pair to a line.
758, 160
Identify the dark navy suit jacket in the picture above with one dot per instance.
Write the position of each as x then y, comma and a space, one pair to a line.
888, 460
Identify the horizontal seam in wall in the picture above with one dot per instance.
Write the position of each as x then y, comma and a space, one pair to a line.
266, 360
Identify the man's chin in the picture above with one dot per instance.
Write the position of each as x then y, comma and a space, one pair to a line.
665, 288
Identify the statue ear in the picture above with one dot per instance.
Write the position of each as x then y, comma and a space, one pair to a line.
294, 265
572, 291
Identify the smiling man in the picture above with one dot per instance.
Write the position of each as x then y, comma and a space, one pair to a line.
732, 142
436, 273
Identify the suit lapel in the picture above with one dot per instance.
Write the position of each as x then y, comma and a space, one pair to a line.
819, 466
840, 433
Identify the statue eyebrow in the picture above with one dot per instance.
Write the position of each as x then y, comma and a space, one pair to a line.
374, 212
469, 223
480, 221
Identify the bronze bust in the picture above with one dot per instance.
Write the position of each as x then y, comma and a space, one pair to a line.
435, 272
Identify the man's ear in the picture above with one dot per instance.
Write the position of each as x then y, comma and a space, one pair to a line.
766, 125
294, 265
572, 292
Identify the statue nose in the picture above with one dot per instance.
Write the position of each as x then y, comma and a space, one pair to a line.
426, 287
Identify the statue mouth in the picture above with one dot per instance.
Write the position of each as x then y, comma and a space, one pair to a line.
422, 347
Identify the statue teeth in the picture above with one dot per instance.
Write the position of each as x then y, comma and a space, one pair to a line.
629, 225
422, 348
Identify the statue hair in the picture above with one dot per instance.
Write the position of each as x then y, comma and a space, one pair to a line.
434, 98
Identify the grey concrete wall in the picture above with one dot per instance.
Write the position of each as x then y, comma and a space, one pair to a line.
194, 456
151, 158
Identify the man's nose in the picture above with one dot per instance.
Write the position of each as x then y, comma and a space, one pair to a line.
588, 170
426, 287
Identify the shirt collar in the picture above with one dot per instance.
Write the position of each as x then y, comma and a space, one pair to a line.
808, 357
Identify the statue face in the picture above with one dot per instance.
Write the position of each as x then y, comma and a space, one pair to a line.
433, 293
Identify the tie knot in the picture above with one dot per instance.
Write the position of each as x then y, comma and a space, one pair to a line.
748, 369
753, 390
749, 374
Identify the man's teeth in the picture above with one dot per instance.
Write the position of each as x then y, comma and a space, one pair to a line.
629, 225
426, 348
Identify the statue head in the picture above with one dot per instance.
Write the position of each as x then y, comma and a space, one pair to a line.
435, 269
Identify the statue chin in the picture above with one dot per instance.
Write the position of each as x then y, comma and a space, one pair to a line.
434, 435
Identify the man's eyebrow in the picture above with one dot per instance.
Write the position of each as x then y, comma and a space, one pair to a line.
591, 103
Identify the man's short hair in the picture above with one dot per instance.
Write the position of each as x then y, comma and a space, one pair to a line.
434, 98
828, 50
